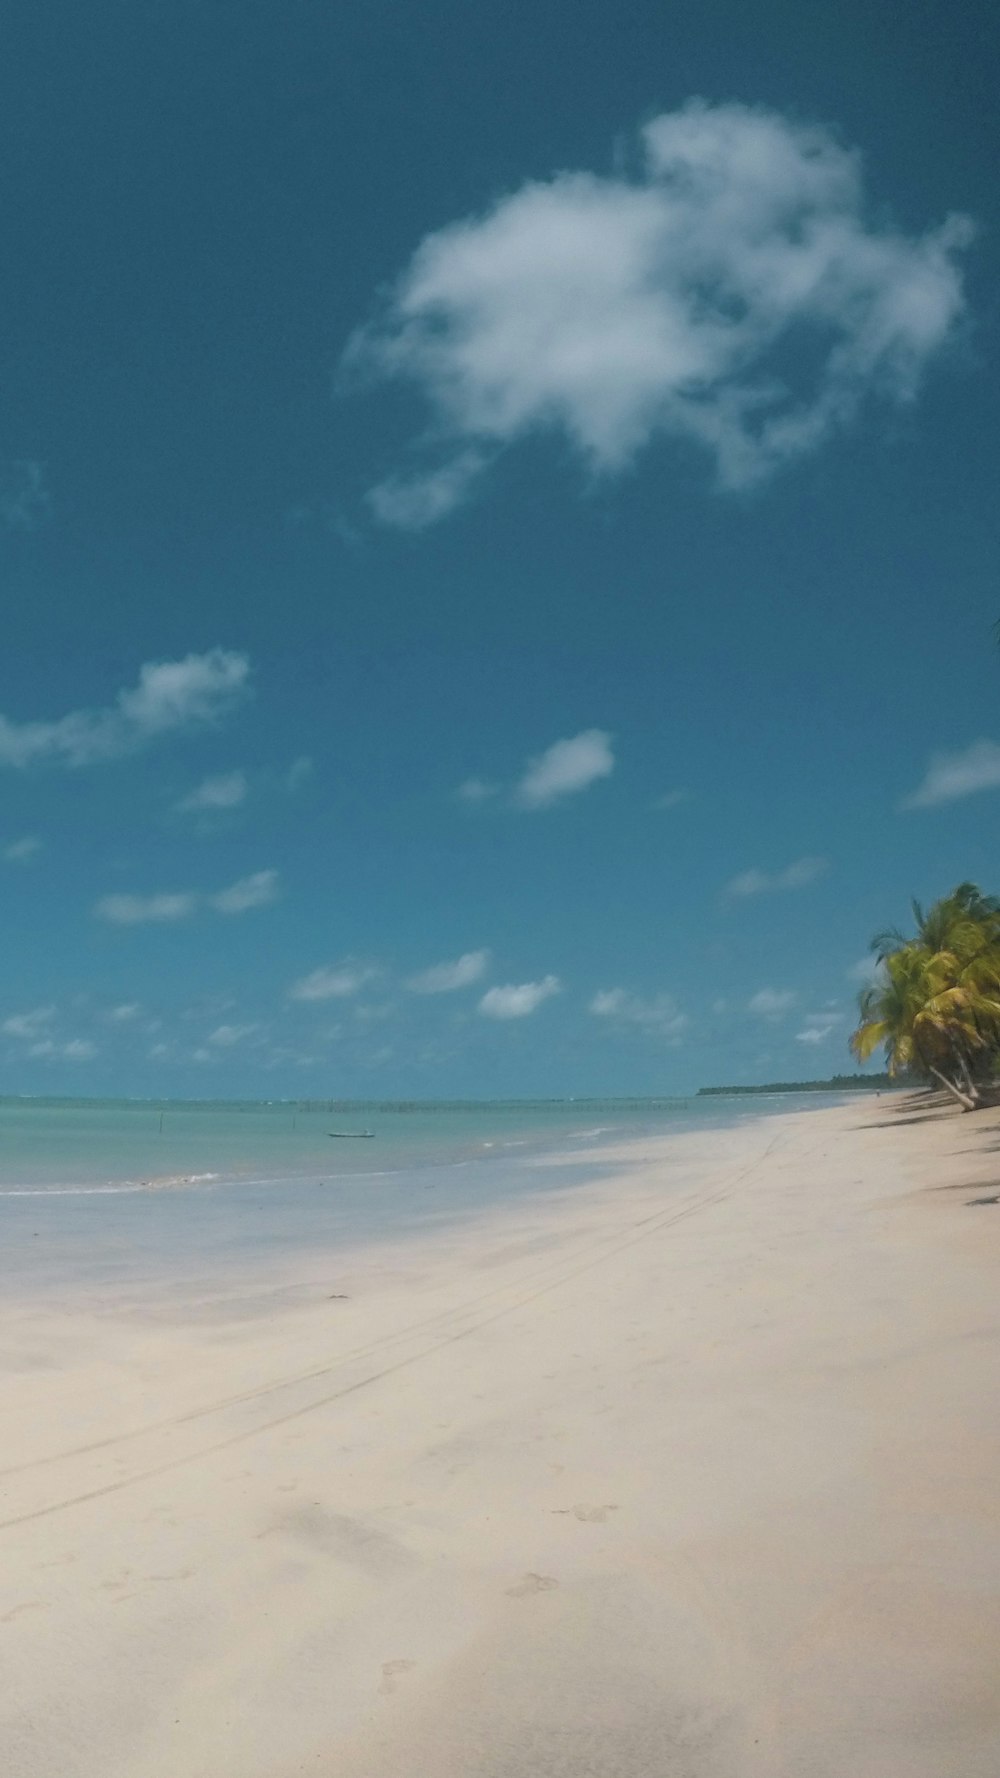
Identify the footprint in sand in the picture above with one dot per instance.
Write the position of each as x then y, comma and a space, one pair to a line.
390, 1673
532, 1583
588, 1515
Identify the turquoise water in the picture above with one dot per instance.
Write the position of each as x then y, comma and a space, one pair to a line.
124, 1192
94, 1146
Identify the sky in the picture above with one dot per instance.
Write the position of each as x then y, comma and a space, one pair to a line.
498, 524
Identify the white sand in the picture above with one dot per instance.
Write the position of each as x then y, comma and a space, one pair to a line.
626, 1482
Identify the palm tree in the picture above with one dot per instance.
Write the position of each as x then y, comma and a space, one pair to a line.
935, 1004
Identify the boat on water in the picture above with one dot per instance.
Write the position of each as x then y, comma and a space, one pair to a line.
351, 1135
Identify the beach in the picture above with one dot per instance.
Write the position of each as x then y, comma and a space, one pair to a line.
687, 1465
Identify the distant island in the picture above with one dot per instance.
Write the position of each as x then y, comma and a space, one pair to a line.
838, 1083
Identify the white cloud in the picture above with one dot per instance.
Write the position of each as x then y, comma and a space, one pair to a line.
517, 1000
299, 772
953, 775
24, 498
170, 696
227, 790
818, 1026
735, 292
142, 910
124, 1014
795, 876
79, 1049
865, 970
565, 768
226, 1036
19, 851
411, 503
476, 790
257, 891
444, 978
337, 983
29, 1025
772, 1003
659, 1015
672, 799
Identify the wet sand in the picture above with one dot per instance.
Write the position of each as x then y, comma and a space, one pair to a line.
691, 1471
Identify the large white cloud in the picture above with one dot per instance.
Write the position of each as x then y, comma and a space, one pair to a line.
733, 292
195, 692
953, 775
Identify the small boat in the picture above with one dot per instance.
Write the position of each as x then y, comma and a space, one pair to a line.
351, 1135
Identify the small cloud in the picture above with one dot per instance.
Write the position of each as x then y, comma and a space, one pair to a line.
24, 498
79, 1049
818, 1026
142, 910
225, 791
476, 790
953, 775
566, 768
169, 697
29, 1025
772, 1003
865, 970
124, 1014
227, 1036
444, 978
20, 851
672, 799
411, 503
659, 1015
795, 876
337, 983
299, 773
516, 1001
257, 891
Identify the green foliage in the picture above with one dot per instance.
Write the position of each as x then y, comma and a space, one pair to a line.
934, 1006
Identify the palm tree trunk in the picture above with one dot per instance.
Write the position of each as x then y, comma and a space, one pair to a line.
966, 1103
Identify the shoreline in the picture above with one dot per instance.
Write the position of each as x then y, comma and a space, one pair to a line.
691, 1463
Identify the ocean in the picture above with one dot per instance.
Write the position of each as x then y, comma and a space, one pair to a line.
119, 1190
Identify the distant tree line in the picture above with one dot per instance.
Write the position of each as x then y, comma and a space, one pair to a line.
838, 1083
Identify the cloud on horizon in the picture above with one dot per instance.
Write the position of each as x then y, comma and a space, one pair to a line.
445, 978
953, 775
795, 876
169, 697
518, 1000
613, 310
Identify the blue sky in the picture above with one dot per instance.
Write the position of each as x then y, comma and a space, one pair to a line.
499, 533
